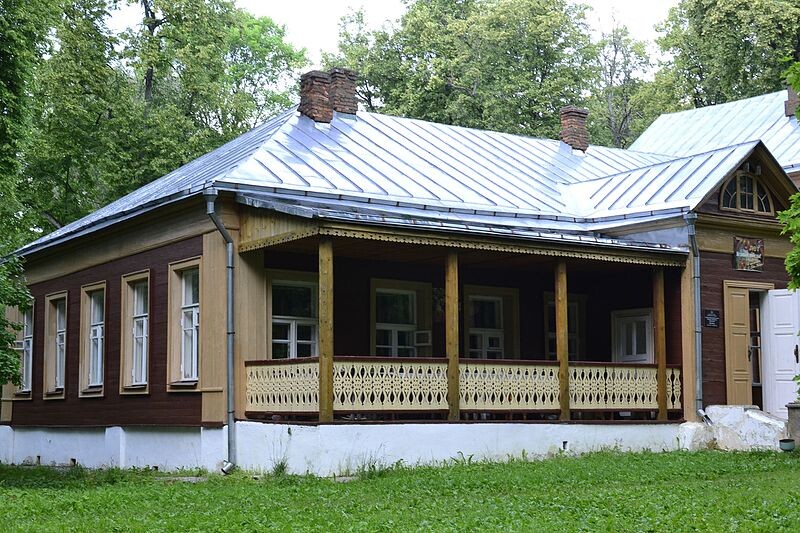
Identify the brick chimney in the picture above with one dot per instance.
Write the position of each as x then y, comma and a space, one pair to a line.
343, 90
791, 103
573, 127
315, 102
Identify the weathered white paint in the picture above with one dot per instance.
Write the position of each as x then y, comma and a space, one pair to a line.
738, 427
339, 449
165, 448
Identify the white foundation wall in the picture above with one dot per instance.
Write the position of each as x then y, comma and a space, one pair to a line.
165, 448
344, 449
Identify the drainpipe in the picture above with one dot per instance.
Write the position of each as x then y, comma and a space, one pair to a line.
691, 218
211, 197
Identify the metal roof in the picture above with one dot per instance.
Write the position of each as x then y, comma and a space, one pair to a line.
394, 170
699, 130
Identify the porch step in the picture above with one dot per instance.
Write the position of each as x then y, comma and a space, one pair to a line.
733, 427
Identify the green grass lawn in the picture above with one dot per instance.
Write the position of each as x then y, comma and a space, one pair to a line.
708, 491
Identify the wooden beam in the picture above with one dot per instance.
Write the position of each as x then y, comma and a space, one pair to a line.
451, 337
325, 330
660, 340
562, 338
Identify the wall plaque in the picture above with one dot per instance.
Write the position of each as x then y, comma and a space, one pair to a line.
711, 318
748, 254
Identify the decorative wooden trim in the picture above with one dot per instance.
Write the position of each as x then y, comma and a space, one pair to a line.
660, 340
49, 391
84, 390
461, 242
174, 384
326, 330
451, 321
562, 339
275, 240
125, 339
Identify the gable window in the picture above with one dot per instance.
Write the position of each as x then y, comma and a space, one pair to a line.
294, 319
576, 323
745, 192
55, 354
135, 332
632, 336
25, 348
401, 317
183, 346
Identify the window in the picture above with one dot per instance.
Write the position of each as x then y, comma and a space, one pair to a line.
576, 313
401, 318
190, 323
485, 327
395, 322
745, 192
55, 345
294, 319
92, 350
135, 332
183, 343
632, 336
25, 349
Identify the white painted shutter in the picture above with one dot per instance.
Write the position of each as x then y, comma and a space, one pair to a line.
781, 324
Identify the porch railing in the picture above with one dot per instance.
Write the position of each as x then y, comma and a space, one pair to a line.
372, 384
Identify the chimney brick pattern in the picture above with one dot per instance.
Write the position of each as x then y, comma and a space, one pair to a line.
343, 90
315, 102
573, 127
791, 103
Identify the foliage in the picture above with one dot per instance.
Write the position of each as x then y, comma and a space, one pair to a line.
708, 491
730, 49
506, 65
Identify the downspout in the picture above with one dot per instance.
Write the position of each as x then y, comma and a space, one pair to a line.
691, 219
211, 197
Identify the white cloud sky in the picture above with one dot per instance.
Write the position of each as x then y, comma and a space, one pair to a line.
314, 24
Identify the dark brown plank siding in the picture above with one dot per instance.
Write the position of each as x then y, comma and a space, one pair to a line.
714, 269
156, 408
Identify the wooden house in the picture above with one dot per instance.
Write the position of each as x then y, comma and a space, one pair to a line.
339, 269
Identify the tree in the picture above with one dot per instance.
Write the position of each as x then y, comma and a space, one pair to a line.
506, 65
791, 217
725, 50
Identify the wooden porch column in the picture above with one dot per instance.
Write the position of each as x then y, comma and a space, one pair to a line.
451, 333
660, 340
325, 330
562, 338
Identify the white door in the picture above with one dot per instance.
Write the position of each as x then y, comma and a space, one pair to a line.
781, 325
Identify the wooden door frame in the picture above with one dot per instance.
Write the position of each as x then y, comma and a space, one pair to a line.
736, 284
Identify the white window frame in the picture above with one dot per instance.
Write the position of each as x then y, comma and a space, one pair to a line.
139, 362
485, 333
60, 340
25, 349
96, 339
394, 329
189, 361
619, 319
294, 321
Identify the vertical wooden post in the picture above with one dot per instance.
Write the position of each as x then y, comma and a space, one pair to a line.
562, 338
451, 333
660, 340
325, 330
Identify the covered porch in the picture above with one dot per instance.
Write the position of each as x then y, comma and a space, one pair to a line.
359, 328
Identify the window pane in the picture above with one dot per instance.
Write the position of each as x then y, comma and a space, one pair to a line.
61, 315
96, 298
764, 205
475, 342
729, 195
305, 332
405, 338
292, 300
191, 286
280, 331
384, 351
494, 342
641, 337
394, 307
140, 297
304, 350
628, 338
280, 350
406, 352
27, 324
486, 314
383, 337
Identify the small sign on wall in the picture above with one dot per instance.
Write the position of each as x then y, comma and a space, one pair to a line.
748, 254
711, 318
